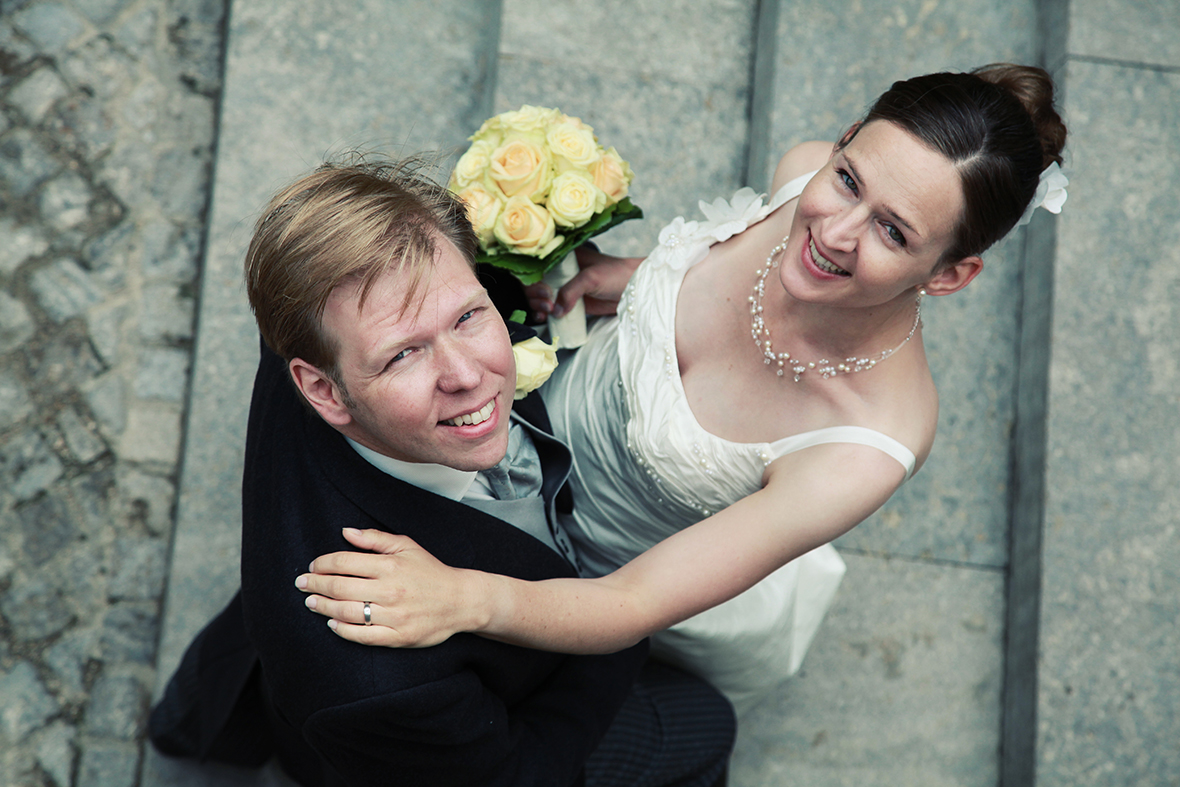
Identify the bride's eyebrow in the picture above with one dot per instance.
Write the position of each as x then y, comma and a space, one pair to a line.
894, 214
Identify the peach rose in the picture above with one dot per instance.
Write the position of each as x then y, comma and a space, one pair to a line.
574, 198
522, 167
526, 228
612, 175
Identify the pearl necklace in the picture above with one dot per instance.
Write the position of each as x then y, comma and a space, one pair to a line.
761, 333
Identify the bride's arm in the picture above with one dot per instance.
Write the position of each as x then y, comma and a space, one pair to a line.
809, 498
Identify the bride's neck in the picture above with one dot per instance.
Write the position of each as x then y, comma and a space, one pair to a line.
820, 330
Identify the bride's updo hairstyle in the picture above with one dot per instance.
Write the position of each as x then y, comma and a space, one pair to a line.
997, 125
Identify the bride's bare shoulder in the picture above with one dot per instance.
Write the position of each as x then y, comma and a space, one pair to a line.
801, 159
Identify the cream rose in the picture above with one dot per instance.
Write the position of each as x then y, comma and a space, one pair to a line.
526, 228
612, 175
472, 165
483, 208
573, 147
529, 118
574, 198
522, 167
535, 361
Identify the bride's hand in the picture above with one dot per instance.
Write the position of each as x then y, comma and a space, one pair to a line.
415, 601
600, 282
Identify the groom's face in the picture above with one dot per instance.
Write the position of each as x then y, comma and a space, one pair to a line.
432, 382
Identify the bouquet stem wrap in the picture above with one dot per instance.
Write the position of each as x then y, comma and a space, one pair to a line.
568, 331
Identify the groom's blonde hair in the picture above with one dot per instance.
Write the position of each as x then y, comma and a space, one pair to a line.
343, 223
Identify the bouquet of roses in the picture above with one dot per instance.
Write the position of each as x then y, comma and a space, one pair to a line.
537, 184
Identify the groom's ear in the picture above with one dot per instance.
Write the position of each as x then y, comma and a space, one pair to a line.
320, 391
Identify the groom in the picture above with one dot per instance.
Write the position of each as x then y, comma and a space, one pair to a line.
384, 399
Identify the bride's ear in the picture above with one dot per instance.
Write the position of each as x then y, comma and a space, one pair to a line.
954, 277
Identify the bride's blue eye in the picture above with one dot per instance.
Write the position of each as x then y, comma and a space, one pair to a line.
895, 234
849, 183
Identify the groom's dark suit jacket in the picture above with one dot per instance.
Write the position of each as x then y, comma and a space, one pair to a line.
468, 711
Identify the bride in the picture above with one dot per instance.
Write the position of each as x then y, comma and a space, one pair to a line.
763, 390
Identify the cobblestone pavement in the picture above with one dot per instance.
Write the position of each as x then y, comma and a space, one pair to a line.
107, 121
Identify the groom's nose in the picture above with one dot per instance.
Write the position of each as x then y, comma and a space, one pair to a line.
460, 367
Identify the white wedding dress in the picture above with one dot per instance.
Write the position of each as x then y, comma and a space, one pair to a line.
644, 468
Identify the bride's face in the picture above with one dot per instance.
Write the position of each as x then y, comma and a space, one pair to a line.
872, 225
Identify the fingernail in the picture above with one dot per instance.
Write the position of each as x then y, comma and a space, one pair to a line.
310, 602
301, 581
557, 311
311, 566
352, 531
332, 625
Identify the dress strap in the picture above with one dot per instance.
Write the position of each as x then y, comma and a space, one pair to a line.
789, 190
848, 434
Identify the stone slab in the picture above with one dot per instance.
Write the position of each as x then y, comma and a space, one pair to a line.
956, 508
902, 686
669, 92
1109, 670
1139, 32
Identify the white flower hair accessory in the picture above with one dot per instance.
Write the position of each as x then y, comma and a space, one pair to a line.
1050, 194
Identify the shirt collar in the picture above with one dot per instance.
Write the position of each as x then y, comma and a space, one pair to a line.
439, 479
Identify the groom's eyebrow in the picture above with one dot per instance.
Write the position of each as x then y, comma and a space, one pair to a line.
888, 209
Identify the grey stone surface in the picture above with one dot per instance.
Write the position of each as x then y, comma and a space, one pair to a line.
116, 707
55, 752
85, 507
15, 324
1136, 32
672, 98
24, 703
29, 463
66, 199
83, 443
64, 290
163, 374
46, 525
108, 764
20, 243
1110, 676
51, 26
15, 404
24, 162
152, 433
902, 685
37, 92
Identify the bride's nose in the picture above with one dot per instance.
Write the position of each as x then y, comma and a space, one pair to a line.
841, 230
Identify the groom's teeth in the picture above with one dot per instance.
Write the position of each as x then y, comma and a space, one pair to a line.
478, 417
822, 263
